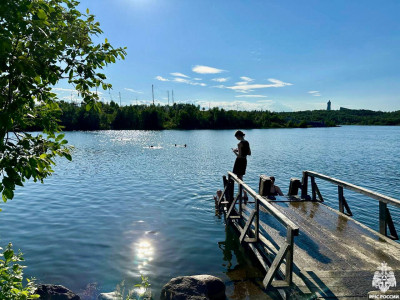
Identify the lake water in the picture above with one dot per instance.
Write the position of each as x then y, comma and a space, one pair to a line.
121, 208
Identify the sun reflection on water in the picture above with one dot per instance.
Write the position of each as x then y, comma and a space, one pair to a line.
144, 252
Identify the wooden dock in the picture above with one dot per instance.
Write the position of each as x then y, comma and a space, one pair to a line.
309, 250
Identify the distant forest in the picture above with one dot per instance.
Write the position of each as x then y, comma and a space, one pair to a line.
189, 116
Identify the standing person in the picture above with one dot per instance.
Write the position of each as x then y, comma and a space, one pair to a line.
241, 153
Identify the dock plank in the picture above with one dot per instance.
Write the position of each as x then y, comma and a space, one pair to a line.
335, 255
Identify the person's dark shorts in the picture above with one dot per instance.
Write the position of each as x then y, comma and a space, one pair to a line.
240, 165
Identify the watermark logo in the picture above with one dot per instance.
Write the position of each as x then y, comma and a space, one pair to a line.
384, 278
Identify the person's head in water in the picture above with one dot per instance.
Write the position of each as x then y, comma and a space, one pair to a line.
272, 179
239, 134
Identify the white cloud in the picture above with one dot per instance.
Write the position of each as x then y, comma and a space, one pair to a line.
161, 78
246, 87
251, 96
221, 86
197, 79
241, 83
220, 79
179, 75
245, 78
183, 80
206, 70
133, 91
314, 93
244, 105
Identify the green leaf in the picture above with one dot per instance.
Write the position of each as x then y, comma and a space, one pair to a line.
68, 156
41, 14
60, 137
18, 182
8, 254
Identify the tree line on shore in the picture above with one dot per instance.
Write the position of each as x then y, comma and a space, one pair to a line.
189, 116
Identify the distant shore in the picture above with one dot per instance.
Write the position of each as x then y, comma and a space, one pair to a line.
75, 116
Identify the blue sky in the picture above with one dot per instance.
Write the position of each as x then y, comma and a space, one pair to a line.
270, 55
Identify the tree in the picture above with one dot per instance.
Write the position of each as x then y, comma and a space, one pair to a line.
41, 43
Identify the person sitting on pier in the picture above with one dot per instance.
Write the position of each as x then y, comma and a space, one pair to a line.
241, 153
275, 190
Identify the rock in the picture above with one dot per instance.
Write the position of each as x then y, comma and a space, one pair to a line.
198, 287
55, 292
108, 296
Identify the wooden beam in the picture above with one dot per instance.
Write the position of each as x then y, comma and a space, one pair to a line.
247, 226
319, 193
231, 208
222, 196
240, 199
340, 196
289, 256
347, 207
382, 218
275, 265
393, 234
313, 191
304, 185
250, 240
355, 188
279, 284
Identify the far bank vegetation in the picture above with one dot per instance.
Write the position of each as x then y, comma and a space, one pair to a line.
188, 116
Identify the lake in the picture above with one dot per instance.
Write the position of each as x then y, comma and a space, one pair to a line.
121, 208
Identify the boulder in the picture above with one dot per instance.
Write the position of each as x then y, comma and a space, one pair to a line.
55, 292
198, 287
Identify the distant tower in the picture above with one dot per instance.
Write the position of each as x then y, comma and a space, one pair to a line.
329, 105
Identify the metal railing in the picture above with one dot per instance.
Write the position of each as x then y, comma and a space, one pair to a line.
252, 225
385, 218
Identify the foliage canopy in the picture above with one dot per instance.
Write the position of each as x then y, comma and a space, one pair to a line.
41, 43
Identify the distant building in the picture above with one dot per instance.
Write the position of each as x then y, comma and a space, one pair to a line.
329, 105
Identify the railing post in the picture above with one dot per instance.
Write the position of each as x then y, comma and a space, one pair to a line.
314, 193
231, 188
257, 218
382, 218
304, 185
294, 187
289, 256
340, 195
240, 199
